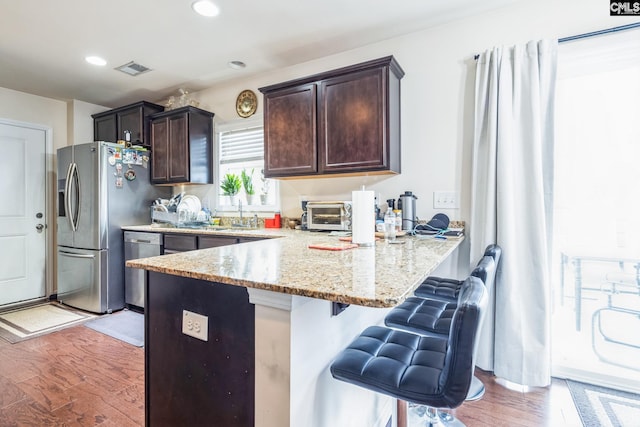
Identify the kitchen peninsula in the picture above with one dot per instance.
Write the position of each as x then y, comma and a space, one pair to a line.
271, 334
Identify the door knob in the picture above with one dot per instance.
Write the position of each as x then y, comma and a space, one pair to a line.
40, 227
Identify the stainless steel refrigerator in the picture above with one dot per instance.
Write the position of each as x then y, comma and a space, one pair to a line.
101, 187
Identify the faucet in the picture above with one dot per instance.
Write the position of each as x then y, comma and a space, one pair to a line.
240, 209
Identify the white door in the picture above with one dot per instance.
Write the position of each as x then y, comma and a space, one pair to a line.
23, 214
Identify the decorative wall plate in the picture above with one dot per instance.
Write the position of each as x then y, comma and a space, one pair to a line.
246, 103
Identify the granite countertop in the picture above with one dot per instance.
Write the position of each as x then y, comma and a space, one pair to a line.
266, 233
379, 276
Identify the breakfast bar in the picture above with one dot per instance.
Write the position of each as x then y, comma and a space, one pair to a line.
271, 330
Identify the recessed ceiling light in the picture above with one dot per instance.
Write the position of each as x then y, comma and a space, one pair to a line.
237, 65
95, 60
205, 8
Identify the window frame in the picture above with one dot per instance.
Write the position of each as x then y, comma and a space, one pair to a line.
237, 125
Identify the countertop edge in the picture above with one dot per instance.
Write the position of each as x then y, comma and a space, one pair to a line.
385, 300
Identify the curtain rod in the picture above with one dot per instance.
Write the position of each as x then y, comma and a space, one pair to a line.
592, 34
600, 32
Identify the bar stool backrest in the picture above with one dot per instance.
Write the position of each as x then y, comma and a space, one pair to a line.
494, 251
486, 271
456, 375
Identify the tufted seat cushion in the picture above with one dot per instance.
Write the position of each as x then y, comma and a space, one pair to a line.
393, 362
449, 289
422, 316
445, 289
439, 287
429, 370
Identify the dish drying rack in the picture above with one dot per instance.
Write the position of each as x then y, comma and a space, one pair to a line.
188, 219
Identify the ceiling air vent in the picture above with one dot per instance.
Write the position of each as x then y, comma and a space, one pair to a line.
133, 69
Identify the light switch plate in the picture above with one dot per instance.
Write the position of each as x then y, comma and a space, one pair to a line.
446, 200
195, 325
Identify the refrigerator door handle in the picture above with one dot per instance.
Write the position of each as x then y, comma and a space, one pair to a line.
74, 255
67, 206
73, 181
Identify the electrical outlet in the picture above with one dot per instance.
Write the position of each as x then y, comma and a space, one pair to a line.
446, 200
195, 325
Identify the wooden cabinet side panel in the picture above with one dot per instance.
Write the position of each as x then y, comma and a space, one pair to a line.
200, 148
159, 151
353, 122
179, 148
290, 131
393, 129
189, 382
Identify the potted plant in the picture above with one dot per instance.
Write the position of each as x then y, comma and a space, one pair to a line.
247, 184
264, 193
230, 186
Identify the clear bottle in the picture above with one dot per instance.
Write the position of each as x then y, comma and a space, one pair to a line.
389, 225
398, 214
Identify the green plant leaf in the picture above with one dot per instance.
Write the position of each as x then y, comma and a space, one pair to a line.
230, 184
247, 182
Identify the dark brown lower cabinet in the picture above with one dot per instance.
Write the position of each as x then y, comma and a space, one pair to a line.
189, 382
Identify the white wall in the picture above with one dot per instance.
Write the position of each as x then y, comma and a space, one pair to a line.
437, 96
80, 122
24, 107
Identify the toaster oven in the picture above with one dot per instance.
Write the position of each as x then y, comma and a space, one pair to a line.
332, 216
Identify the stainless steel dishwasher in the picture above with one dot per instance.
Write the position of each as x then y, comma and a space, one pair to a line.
138, 245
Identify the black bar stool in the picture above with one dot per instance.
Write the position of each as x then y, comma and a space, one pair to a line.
435, 371
432, 317
430, 311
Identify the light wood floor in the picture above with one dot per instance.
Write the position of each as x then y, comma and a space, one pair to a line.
73, 377
80, 377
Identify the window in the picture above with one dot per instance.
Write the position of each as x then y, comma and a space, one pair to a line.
597, 212
241, 156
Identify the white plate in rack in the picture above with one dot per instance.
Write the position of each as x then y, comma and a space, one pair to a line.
191, 203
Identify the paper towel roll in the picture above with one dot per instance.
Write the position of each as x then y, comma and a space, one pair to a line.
363, 217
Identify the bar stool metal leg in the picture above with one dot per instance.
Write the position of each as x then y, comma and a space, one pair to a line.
432, 417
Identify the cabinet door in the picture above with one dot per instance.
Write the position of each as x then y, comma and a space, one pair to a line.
290, 132
104, 128
179, 148
205, 242
131, 120
180, 243
352, 121
159, 151
170, 150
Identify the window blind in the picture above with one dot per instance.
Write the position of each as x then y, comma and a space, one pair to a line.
242, 145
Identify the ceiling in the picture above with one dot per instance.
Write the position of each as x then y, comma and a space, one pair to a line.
43, 43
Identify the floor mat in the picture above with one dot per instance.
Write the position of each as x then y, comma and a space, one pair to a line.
30, 322
125, 325
600, 406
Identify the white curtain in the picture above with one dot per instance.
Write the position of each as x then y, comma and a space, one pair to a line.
512, 205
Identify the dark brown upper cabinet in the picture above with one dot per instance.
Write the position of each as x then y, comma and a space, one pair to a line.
111, 125
181, 146
345, 121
